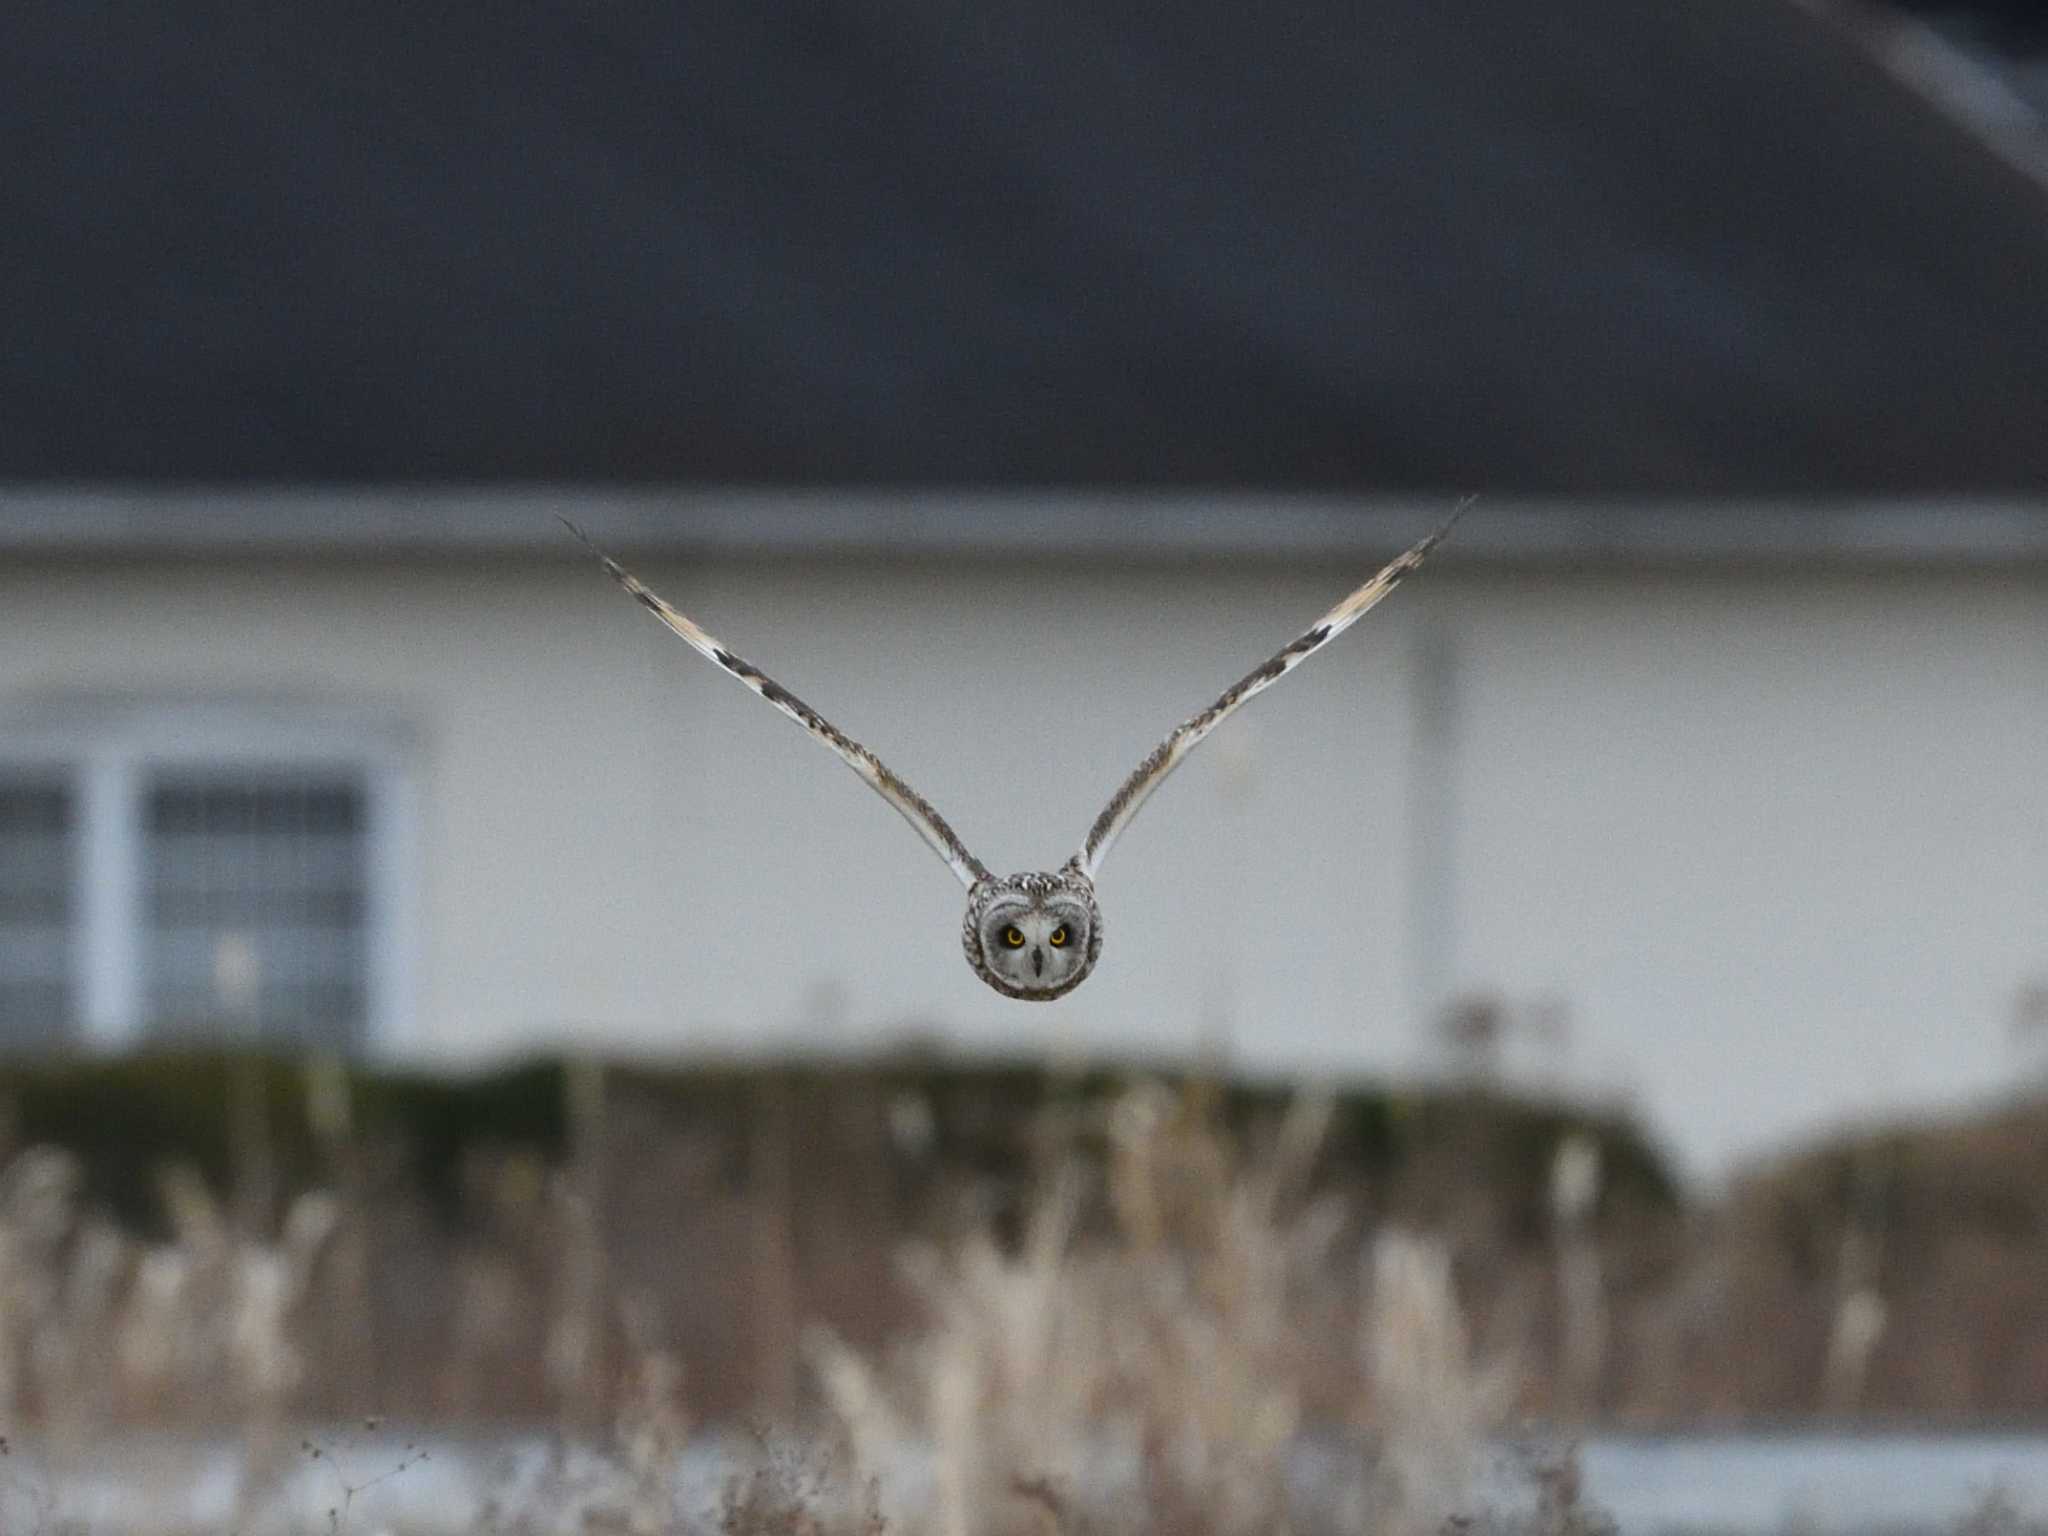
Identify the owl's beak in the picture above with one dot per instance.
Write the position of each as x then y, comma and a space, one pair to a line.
1037, 961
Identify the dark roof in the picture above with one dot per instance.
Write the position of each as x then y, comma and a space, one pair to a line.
2018, 27
1591, 246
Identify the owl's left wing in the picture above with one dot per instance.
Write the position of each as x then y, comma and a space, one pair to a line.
1166, 757
912, 806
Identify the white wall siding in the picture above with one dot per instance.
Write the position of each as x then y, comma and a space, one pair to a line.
1779, 842
1776, 842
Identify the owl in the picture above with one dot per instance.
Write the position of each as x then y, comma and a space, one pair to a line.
1033, 936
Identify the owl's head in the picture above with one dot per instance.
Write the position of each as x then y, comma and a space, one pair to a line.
1033, 936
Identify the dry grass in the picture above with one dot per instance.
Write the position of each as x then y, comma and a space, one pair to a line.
1155, 1365
357, 1267
1148, 1350
1176, 1322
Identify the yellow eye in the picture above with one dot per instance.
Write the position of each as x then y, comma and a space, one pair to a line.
1058, 938
1013, 937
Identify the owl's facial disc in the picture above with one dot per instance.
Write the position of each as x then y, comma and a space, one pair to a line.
1033, 936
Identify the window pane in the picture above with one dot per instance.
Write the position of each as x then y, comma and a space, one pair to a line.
255, 905
35, 911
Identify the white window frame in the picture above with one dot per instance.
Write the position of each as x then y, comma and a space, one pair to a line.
108, 748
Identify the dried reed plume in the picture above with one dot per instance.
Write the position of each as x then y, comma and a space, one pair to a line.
1168, 1352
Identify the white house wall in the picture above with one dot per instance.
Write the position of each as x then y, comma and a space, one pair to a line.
1769, 846
1779, 841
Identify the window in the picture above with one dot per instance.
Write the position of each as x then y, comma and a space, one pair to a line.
36, 909
204, 870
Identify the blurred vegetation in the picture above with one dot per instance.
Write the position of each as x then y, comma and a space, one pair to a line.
507, 1244
127, 1117
1942, 1227
516, 1244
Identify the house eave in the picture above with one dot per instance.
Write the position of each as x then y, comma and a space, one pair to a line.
385, 522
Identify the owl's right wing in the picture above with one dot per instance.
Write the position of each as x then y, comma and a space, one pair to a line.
909, 804
1166, 757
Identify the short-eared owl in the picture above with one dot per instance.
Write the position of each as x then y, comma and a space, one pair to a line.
1034, 936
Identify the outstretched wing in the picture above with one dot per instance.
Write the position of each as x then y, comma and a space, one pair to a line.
912, 806
1167, 755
